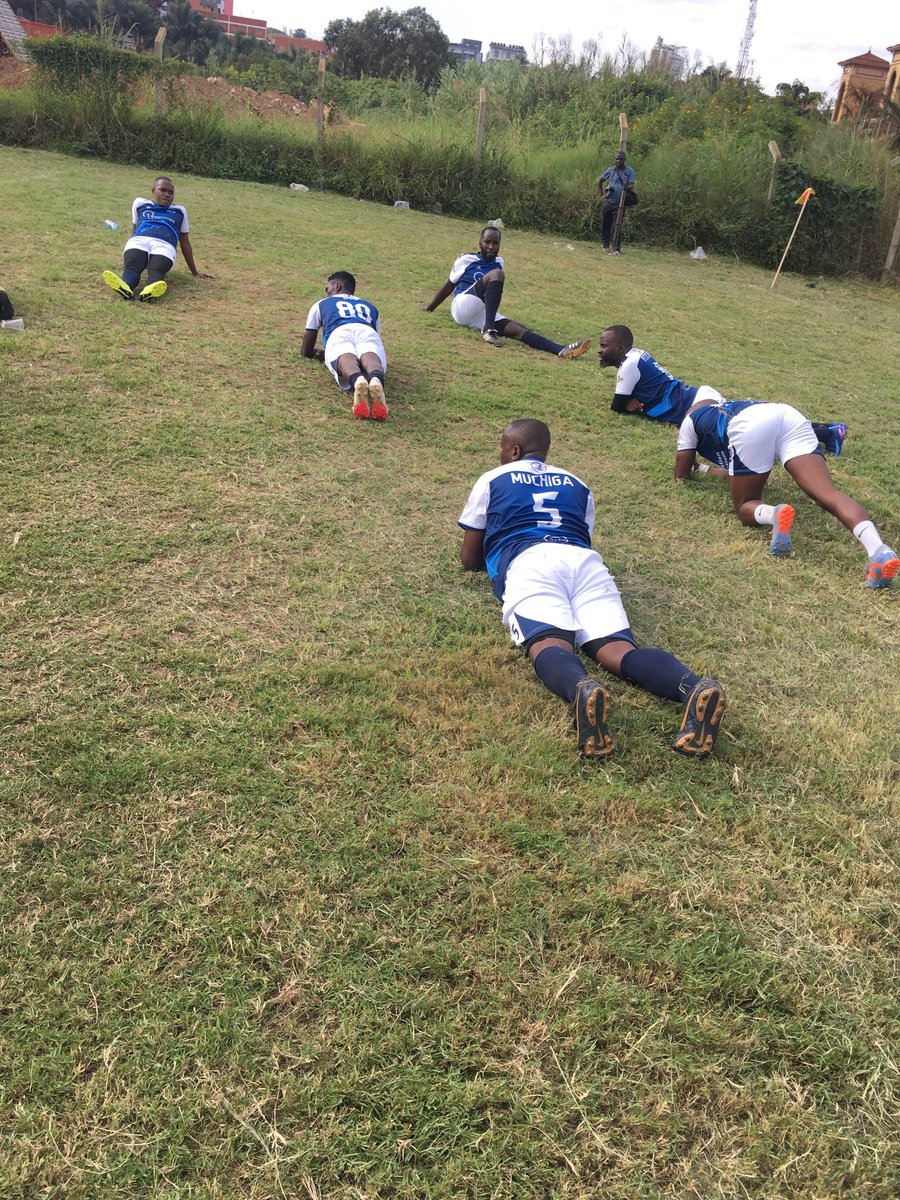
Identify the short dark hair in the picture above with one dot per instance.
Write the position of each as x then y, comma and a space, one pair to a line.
533, 436
160, 178
345, 279
623, 333
493, 229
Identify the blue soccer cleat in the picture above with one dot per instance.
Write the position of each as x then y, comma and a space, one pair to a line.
883, 566
782, 520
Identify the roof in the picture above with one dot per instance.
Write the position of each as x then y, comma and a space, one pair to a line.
865, 60
11, 32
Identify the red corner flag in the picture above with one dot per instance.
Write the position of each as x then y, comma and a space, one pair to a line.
802, 199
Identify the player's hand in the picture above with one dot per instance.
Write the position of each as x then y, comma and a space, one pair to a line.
204, 275
319, 354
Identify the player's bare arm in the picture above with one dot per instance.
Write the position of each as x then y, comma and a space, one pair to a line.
439, 297
471, 552
188, 253
308, 346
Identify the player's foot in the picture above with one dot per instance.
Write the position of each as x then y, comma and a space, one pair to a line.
575, 349
153, 291
836, 434
379, 404
590, 711
703, 710
615, 252
111, 279
605, 249
361, 399
883, 566
782, 520
492, 337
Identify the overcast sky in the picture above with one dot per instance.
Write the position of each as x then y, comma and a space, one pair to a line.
793, 39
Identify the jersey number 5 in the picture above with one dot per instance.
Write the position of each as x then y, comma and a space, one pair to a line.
555, 520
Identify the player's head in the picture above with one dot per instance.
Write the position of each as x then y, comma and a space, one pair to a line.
489, 241
615, 342
524, 439
163, 191
340, 283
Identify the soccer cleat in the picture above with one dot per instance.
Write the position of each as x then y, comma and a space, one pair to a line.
883, 566
492, 337
575, 349
615, 252
835, 443
782, 520
153, 291
361, 399
703, 710
379, 404
590, 711
605, 249
111, 279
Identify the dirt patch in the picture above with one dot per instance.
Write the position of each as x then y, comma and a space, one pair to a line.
15, 74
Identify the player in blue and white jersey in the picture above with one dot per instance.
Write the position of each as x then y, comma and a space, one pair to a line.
742, 438
158, 228
646, 388
352, 347
476, 282
529, 525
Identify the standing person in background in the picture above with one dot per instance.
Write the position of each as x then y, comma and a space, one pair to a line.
615, 184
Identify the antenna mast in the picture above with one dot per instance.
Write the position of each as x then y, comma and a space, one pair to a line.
743, 63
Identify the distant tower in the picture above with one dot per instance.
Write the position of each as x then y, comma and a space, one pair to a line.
743, 63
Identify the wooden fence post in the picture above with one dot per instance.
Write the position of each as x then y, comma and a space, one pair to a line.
623, 132
158, 83
895, 239
482, 112
776, 158
320, 115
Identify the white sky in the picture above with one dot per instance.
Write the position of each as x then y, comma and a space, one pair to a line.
793, 39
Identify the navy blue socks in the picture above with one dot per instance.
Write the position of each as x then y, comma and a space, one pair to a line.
536, 342
560, 671
659, 672
493, 294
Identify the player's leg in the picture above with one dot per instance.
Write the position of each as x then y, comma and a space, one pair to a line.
134, 265
513, 329
158, 266
757, 435
812, 476
350, 370
490, 289
609, 213
373, 368
746, 496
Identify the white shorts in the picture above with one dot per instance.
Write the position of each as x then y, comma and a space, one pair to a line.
355, 338
763, 432
467, 310
555, 586
152, 246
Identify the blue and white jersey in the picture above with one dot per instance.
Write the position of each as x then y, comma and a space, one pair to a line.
334, 311
523, 503
706, 432
167, 224
616, 180
469, 268
664, 397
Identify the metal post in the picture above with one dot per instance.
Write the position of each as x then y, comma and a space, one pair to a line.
158, 83
776, 158
482, 112
320, 115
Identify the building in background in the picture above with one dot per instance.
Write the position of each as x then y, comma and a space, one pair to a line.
500, 52
466, 51
864, 84
673, 59
12, 35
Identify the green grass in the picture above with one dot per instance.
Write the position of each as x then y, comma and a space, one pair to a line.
306, 893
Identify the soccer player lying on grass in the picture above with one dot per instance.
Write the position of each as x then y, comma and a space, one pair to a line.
743, 438
476, 281
644, 387
352, 348
529, 525
158, 228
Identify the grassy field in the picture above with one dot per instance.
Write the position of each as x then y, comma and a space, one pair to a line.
306, 893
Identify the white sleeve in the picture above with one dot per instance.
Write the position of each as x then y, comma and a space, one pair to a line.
314, 320
185, 228
627, 378
137, 200
458, 268
590, 513
687, 434
474, 515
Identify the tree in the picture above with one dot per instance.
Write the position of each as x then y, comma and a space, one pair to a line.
390, 45
798, 96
